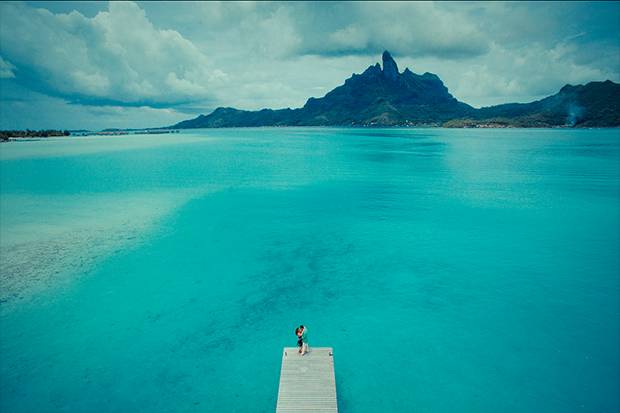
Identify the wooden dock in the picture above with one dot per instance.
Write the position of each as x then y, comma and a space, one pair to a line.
307, 383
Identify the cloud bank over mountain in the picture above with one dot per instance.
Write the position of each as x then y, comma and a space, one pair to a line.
150, 60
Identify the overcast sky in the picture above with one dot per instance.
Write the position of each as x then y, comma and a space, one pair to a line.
94, 65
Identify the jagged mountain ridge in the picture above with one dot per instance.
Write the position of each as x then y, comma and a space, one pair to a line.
596, 104
387, 97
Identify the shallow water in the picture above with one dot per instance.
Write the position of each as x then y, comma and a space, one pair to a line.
451, 270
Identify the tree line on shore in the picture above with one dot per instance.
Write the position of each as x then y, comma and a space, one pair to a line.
45, 133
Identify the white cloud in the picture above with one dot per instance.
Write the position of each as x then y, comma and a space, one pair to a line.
414, 29
506, 74
525, 74
116, 56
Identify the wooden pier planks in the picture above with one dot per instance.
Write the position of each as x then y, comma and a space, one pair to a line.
307, 383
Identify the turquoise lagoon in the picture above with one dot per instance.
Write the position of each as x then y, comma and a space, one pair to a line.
451, 270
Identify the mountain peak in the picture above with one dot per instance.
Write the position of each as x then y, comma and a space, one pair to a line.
376, 69
390, 69
382, 96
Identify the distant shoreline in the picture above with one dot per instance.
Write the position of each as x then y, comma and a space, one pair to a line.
21, 136
30, 135
5, 135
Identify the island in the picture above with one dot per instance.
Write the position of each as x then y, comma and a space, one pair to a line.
382, 96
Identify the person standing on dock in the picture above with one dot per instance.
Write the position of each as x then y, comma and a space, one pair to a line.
299, 342
304, 339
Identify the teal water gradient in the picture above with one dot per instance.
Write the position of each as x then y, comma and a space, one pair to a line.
451, 270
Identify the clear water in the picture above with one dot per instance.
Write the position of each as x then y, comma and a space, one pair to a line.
451, 270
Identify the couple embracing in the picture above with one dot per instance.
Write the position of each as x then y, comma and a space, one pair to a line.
302, 339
